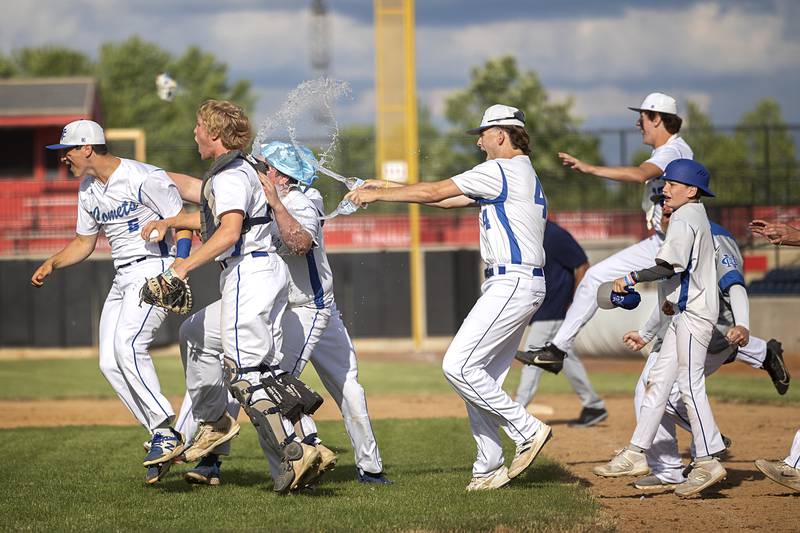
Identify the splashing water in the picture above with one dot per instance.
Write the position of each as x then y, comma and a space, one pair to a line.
307, 97
303, 100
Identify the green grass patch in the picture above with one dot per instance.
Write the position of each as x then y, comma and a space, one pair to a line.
81, 378
91, 479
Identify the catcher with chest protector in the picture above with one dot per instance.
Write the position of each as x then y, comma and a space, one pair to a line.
243, 325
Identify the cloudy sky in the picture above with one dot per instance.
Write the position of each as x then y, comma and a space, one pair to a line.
724, 55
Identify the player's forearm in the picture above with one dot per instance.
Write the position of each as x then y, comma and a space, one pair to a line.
76, 251
418, 193
740, 306
293, 235
222, 239
625, 174
185, 221
188, 186
661, 270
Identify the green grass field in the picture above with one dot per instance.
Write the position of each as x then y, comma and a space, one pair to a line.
81, 378
69, 479
76, 479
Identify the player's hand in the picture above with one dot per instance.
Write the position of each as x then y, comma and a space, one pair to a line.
362, 196
775, 232
633, 341
270, 191
161, 226
44, 270
573, 162
178, 271
620, 285
668, 309
738, 335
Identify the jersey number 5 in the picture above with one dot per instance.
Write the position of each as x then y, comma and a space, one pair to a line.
539, 199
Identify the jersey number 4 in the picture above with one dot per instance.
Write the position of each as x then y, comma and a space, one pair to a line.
539, 199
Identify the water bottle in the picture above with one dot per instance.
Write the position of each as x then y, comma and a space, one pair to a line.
352, 183
346, 207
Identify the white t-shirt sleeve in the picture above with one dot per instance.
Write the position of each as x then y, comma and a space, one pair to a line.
663, 156
484, 182
160, 194
677, 247
232, 191
86, 225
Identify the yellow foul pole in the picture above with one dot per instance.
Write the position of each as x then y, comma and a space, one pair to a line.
397, 143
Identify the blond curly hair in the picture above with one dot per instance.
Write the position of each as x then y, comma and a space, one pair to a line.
227, 122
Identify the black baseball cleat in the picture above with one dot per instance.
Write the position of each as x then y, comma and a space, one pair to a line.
775, 367
588, 418
549, 358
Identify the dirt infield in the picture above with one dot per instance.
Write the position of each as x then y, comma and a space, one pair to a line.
745, 501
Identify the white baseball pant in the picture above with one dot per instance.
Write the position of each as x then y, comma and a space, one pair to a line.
682, 358
539, 333
478, 360
244, 326
126, 331
584, 302
320, 336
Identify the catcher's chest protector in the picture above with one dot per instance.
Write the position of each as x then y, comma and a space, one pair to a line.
207, 222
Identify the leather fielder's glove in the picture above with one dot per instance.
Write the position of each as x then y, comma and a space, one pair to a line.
168, 291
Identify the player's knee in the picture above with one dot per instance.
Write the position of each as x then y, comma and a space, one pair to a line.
353, 398
109, 367
453, 369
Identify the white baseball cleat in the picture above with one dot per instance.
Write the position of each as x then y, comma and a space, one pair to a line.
703, 475
209, 435
625, 463
780, 473
495, 480
528, 450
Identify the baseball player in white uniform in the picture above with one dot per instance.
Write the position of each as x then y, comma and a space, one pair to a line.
686, 261
244, 324
659, 124
513, 210
119, 196
312, 328
731, 331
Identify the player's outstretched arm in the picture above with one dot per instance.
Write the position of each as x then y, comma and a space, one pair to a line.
188, 186
640, 174
74, 252
419, 193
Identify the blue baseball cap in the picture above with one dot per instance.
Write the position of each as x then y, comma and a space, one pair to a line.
689, 172
297, 162
608, 299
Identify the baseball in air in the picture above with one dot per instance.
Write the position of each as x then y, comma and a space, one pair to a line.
153, 235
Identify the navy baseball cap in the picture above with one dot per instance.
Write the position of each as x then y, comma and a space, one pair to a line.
608, 299
689, 172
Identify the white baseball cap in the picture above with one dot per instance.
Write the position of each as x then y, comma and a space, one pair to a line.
500, 115
659, 102
79, 133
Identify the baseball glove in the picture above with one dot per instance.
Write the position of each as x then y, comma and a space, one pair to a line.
168, 291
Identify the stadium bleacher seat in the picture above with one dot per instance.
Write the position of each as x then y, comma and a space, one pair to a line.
777, 282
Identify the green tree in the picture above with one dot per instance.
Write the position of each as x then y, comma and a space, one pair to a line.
723, 155
51, 61
127, 73
551, 125
770, 153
